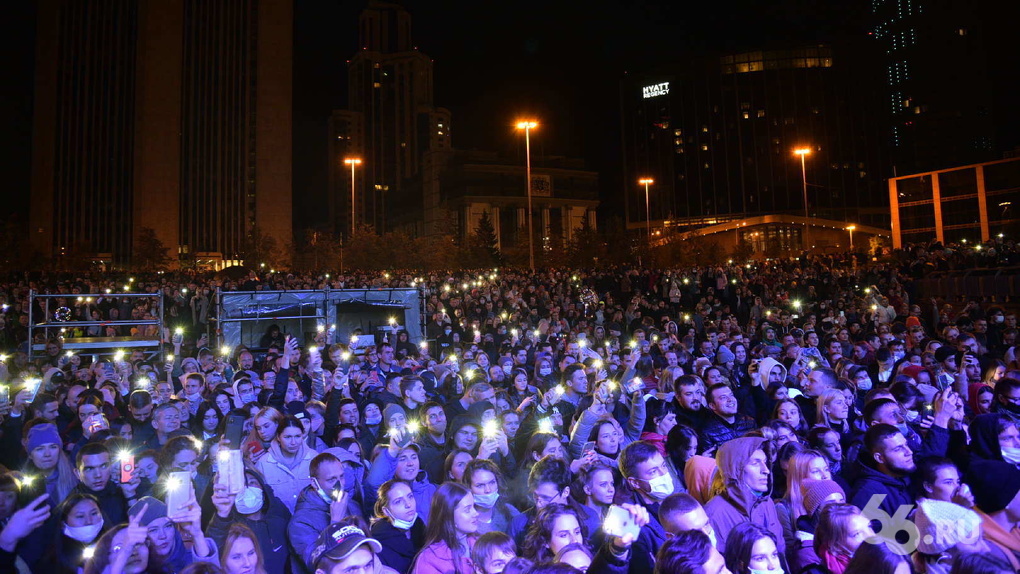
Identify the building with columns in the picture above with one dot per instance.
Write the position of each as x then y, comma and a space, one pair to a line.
468, 184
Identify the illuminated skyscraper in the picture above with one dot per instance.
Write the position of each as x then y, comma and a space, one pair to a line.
173, 115
391, 120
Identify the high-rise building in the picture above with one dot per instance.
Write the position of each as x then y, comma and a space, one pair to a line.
717, 137
391, 122
173, 115
936, 85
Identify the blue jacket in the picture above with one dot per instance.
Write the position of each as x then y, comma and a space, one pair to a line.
311, 517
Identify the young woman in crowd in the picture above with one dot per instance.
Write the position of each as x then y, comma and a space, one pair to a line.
397, 526
751, 549
451, 533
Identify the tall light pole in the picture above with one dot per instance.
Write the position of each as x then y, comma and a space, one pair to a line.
851, 228
527, 126
352, 161
646, 181
803, 152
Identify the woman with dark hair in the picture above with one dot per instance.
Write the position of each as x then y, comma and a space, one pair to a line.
132, 556
285, 466
681, 446
842, 529
485, 480
206, 421
519, 390
751, 549
660, 418
789, 412
554, 527
451, 533
644, 369
81, 523
397, 526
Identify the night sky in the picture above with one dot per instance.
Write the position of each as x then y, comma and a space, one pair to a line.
560, 61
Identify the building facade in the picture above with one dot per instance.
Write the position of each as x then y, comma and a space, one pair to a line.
717, 137
564, 197
958, 204
391, 123
936, 87
173, 115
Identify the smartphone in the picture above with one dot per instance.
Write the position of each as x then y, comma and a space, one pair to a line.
178, 492
109, 369
127, 466
635, 385
5, 395
619, 522
234, 430
257, 449
230, 470
97, 422
589, 447
30, 488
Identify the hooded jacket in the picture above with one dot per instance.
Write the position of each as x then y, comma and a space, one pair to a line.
984, 438
311, 516
870, 482
270, 529
286, 479
383, 468
738, 503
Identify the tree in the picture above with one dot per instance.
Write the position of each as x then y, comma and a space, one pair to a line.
586, 247
483, 247
150, 253
259, 248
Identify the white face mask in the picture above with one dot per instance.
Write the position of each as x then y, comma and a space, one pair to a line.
712, 538
401, 524
545, 371
486, 500
1009, 454
660, 487
374, 420
753, 571
911, 416
506, 368
864, 384
84, 534
250, 501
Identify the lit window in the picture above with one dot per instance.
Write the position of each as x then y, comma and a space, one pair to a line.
677, 132
747, 115
961, 32
376, 85
704, 147
761, 113
704, 129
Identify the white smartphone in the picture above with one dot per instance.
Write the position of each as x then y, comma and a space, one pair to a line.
619, 522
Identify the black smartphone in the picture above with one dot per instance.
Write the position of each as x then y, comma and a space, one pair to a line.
234, 430
30, 487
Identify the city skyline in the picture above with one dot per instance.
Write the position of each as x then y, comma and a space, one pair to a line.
494, 63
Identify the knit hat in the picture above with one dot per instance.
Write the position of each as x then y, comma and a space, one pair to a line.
943, 525
815, 492
944, 352
155, 511
43, 434
391, 409
723, 355
994, 483
297, 408
913, 322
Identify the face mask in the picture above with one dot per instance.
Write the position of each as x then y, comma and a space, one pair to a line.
1010, 407
711, 537
507, 368
999, 318
250, 500
898, 355
911, 416
401, 524
904, 429
84, 534
545, 372
753, 571
195, 397
660, 487
447, 331
247, 398
486, 500
864, 384
373, 420
1009, 454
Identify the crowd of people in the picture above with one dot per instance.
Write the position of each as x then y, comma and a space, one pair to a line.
799, 416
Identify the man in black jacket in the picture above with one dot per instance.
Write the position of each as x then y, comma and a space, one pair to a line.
725, 422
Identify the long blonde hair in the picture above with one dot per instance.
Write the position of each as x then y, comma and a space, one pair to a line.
236, 532
796, 473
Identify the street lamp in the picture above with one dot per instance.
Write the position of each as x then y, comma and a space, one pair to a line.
352, 161
803, 152
527, 126
646, 181
851, 228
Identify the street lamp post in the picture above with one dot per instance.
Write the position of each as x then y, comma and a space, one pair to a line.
646, 181
803, 153
527, 126
352, 161
851, 228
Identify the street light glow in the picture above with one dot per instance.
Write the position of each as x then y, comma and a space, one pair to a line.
352, 161
645, 180
802, 151
526, 124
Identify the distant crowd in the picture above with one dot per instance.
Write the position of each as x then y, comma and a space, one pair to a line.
805, 416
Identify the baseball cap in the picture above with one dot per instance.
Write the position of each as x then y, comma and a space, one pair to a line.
339, 541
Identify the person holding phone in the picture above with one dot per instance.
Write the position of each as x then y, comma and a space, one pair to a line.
165, 544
